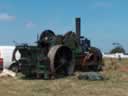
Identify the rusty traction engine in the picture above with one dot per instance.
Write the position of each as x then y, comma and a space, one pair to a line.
58, 55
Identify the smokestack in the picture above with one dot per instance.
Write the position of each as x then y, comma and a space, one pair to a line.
78, 27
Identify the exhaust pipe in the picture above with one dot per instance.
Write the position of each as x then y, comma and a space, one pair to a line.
78, 28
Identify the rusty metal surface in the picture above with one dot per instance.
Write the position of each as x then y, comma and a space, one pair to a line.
92, 61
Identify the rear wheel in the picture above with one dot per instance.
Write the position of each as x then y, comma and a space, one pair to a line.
93, 60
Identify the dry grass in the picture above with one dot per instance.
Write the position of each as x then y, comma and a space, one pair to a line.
116, 85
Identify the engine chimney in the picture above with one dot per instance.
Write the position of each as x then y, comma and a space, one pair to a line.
78, 21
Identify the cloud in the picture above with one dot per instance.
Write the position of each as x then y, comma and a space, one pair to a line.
6, 17
103, 5
30, 24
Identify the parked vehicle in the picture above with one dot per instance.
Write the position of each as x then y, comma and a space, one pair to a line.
6, 58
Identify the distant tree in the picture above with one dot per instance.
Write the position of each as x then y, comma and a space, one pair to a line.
118, 49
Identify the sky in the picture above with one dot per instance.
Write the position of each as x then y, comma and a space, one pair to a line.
102, 21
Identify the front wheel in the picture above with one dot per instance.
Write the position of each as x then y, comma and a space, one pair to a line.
14, 67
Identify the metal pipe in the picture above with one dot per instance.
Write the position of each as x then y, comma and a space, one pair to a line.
78, 28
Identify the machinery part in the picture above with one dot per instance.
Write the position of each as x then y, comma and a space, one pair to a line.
60, 60
59, 39
33, 60
93, 60
47, 34
97, 53
46, 38
85, 44
78, 29
70, 40
14, 55
14, 67
26, 66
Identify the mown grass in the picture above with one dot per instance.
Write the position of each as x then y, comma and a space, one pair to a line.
116, 85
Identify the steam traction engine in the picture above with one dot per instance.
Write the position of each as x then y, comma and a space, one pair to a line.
58, 55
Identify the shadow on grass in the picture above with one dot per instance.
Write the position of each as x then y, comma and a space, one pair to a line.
34, 77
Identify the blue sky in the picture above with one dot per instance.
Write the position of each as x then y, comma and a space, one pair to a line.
103, 21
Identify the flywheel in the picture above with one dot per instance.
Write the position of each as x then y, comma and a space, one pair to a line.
60, 60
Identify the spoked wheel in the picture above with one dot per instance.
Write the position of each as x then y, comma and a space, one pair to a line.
93, 61
60, 59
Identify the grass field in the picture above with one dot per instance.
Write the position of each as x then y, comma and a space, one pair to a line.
116, 85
